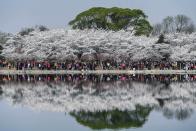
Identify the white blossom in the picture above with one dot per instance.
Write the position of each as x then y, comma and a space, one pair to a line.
61, 44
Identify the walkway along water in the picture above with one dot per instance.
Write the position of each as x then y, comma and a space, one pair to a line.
96, 67
12, 72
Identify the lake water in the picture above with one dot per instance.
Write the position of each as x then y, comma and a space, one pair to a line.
97, 102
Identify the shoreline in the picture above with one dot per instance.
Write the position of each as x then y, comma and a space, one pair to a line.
61, 72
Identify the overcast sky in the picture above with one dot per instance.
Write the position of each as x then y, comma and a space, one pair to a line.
16, 14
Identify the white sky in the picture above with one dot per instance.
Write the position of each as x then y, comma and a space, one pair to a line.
16, 14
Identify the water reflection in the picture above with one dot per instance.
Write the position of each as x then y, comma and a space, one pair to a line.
104, 101
113, 119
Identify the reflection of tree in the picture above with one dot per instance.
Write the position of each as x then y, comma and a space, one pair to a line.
114, 119
18, 96
181, 114
1, 91
176, 100
168, 113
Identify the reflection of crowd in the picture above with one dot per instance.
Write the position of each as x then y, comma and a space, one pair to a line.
96, 78
96, 65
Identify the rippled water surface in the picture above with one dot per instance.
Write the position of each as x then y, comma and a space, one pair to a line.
97, 102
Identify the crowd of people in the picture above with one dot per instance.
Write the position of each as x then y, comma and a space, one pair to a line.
96, 65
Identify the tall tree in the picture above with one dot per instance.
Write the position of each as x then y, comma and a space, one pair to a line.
182, 22
157, 29
190, 28
168, 24
179, 23
113, 19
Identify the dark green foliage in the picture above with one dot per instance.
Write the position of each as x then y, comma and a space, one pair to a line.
26, 31
112, 19
3, 40
1, 48
143, 27
114, 119
3, 37
2, 57
161, 39
42, 28
1, 91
